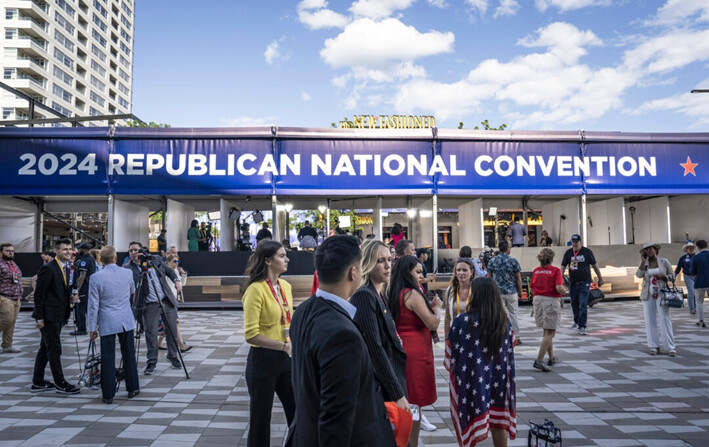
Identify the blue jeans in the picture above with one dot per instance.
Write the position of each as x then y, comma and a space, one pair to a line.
579, 302
689, 282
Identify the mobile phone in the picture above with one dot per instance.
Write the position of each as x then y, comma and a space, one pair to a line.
435, 271
415, 412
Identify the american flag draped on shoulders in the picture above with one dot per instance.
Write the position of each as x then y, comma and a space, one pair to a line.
482, 387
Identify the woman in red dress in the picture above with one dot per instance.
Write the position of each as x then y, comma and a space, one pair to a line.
415, 319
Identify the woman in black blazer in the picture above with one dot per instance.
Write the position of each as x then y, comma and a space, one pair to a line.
376, 324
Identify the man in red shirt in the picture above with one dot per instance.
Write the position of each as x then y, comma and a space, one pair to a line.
10, 296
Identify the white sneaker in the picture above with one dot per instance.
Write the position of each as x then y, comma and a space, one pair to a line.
425, 425
10, 350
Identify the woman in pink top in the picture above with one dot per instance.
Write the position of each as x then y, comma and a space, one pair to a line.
547, 286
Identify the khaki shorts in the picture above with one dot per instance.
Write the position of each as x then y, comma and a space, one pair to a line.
547, 312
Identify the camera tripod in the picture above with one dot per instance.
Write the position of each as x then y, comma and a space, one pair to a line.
139, 305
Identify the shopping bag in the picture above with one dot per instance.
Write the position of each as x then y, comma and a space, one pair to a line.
672, 296
91, 376
543, 435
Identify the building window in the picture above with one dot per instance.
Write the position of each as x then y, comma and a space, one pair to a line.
10, 33
125, 35
122, 102
96, 98
126, 9
99, 38
100, 9
64, 76
93, 112
98, 53
125, 48
123, 89
99, 69
99, 22
9, 73
97, 83
64, 23
63, 5
124, 61
123, 75
10, 13
63, 94
63, 58
126, 22
62, 39
61, 109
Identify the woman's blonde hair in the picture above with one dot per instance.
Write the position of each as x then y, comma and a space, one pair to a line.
370, 255
545, 256
171, 257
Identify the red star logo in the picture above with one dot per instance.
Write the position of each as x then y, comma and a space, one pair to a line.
689, 167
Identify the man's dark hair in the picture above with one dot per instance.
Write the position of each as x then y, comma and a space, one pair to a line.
465, 252
48, 253
163, 231
701, 244
503, 246
421, 251
401, 246
5, 244
335, 256
307, 223
63, 241
136, 243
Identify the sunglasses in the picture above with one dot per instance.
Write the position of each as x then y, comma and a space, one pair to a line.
176, 261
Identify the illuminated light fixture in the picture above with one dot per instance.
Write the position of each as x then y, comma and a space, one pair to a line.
385, 213
322, 209
425, 213
288, 207
258, 216
411, 213
492, 211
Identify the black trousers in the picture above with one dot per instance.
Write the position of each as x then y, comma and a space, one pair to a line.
267, 371
108, 363
50, 351
80, 311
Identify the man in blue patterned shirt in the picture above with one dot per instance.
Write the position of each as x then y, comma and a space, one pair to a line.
505, 270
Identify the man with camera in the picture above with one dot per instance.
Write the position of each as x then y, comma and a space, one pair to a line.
109, 312
151, 293
86, 266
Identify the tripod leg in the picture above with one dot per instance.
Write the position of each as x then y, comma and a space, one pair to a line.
172, 333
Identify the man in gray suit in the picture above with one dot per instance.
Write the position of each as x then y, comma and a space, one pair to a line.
109, 311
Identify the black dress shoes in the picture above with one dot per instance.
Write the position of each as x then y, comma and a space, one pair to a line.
132, 394
107, 401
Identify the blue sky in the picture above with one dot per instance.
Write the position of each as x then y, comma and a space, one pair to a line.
603, 65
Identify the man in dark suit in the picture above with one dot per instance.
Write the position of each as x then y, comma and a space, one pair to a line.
157, 288
338, 399
51, 311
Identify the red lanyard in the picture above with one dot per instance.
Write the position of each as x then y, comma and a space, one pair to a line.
576, 253
282, 303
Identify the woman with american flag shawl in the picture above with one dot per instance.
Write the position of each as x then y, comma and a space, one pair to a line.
480, 360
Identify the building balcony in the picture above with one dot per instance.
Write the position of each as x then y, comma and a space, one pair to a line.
28, 86
36, 8
28, 64
31, 45
32, 25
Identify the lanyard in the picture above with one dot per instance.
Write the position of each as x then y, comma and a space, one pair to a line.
282, 303
61, 268
457, 298
576, 253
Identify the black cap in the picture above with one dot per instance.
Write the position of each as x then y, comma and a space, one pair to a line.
83, 246
575, 238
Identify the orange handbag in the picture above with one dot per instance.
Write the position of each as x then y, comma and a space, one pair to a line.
401, 422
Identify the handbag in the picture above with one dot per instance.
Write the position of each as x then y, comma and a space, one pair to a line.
672, 296
91, 376
543, 435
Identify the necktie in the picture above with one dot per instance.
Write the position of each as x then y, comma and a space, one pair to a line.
67, 274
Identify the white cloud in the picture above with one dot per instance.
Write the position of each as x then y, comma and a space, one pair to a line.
272, 52
693, 106
378, 9
564, 40
360, 44
506, 8
479, 5
315, 15
248, 121
438, 3
305, 96
569, 5
662, 53
678, 12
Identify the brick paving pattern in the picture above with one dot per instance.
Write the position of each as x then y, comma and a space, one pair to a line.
607, 391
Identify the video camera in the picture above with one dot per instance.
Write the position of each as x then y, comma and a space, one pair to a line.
145, 258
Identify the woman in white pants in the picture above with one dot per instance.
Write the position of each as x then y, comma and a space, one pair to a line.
656, 272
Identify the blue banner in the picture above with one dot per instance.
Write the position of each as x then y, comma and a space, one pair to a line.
239, 162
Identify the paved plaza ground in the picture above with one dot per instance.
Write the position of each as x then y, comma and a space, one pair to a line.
607, 391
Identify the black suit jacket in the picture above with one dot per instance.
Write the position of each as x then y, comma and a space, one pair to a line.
51, 297
338, 400
379, 331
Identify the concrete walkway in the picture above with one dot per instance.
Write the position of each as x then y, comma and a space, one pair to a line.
607, 391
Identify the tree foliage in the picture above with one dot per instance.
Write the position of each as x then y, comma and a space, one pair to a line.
134, 123
486, 126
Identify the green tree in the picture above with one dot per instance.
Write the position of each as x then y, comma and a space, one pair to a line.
486, 126
134, 123
347, 121
460, 125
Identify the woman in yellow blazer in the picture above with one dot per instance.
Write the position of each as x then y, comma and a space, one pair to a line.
268, 307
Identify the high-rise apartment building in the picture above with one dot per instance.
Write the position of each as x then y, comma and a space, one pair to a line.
75, 56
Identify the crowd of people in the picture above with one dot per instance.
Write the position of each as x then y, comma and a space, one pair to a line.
361, 346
